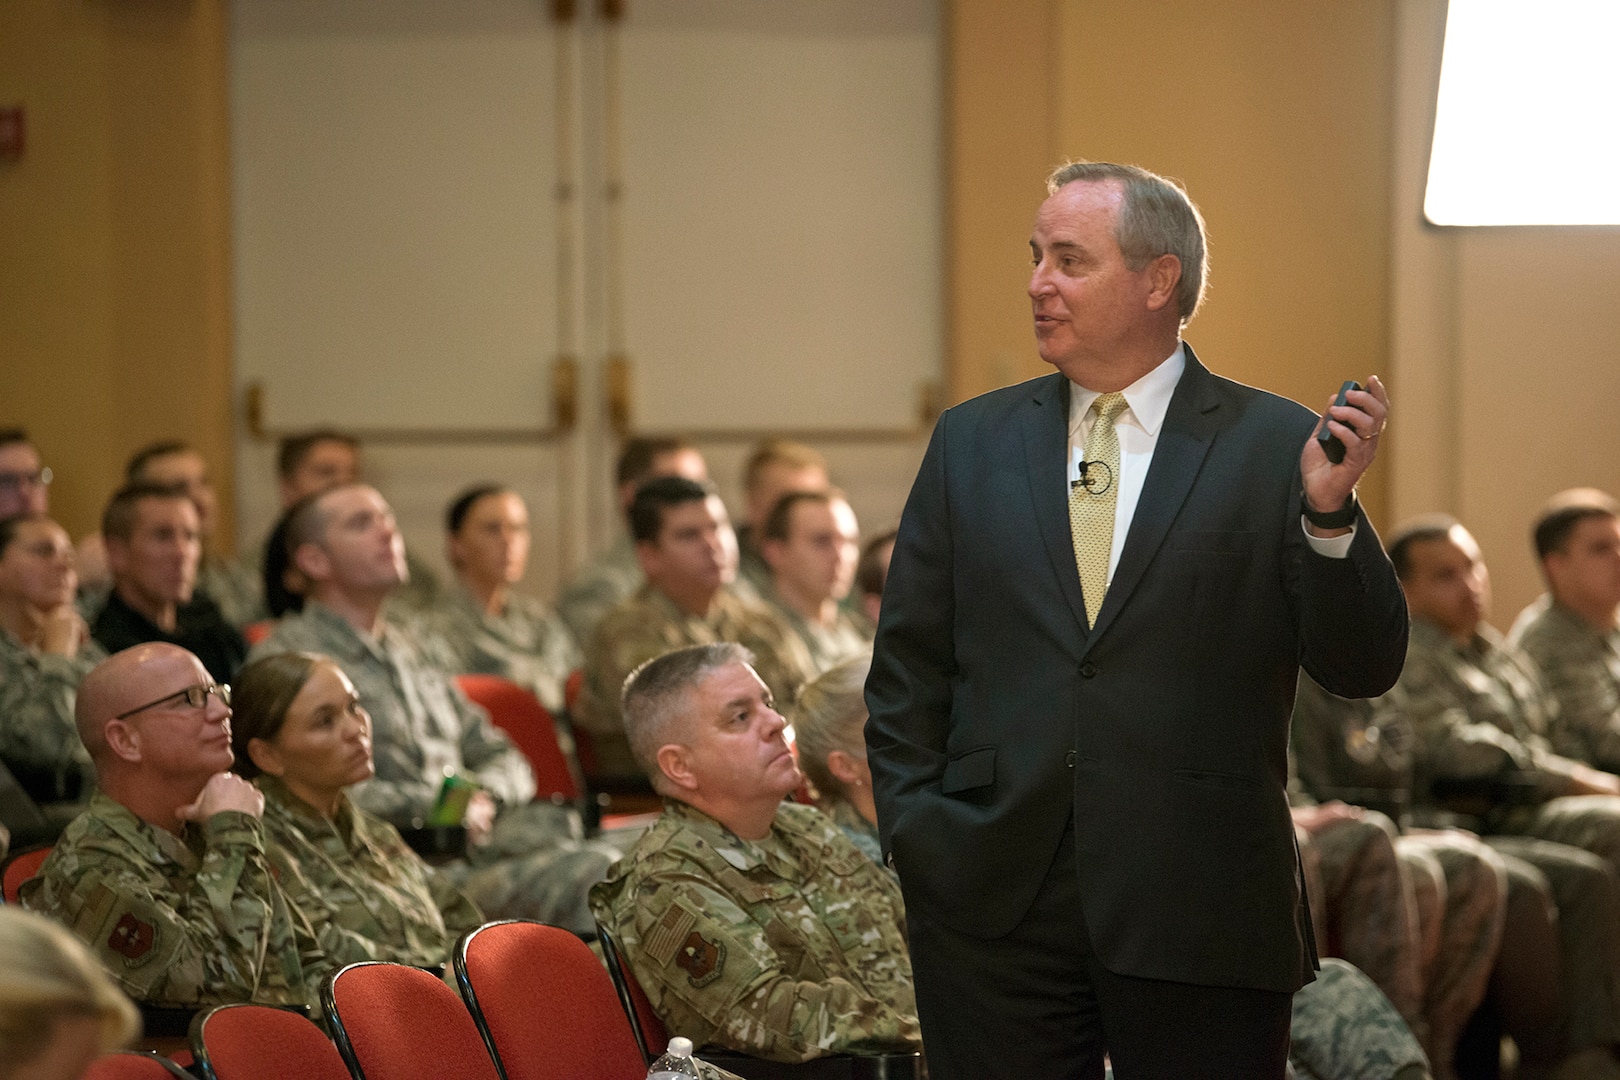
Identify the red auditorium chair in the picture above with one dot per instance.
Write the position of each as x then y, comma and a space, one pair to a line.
393, 1022
544, 1005
18, 868
261, 1042
135, 1065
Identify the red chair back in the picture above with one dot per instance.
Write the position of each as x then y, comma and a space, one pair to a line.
134, 1065
651, 1034
260, 1042
393, 1022
519, 713
19, 868
255, 632
545, 1005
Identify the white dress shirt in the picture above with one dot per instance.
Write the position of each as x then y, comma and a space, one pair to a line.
1147, 400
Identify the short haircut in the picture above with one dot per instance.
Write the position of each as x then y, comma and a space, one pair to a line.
456, 514
872, 572
11, 526
118, 520
135, 468
304, 522
49, 974
657, 697
646, 513
778, 523
1415, 531
830, 714
636, 459
796, 455
1155, 218
292, 451
1556, 520
261, 693
12, 435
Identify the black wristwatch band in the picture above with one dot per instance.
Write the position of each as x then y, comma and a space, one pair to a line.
1342, 518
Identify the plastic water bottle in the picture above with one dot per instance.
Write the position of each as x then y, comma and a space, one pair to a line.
677, 1063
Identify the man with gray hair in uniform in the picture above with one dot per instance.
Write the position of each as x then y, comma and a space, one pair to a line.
527, 859
752, 923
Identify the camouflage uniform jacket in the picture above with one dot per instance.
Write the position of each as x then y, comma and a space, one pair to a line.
186, 921
421, 724
1478, 710
235, 589
38, 739
368, 895
1356, 749
524, 643
862, 833
650, 624
604, 583
849, 635
788, 948
1580, 666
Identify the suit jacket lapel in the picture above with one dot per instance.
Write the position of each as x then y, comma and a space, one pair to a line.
1046, 450
1184, 440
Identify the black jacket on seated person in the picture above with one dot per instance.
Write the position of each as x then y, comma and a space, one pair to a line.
199, 627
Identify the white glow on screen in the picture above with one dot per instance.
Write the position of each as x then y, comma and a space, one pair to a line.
1527, 124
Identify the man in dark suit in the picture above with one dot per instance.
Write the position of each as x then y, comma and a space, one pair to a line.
1085, 665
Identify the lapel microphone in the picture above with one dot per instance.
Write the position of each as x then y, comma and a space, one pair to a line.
1095, 477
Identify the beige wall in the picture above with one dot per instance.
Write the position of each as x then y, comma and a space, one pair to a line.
1276, 115
113, 281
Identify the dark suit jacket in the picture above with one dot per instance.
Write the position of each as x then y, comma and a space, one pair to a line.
996, 710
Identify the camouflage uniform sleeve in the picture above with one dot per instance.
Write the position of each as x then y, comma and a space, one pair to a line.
1457, 746
781, 658
459, 912
216, 942
1579, 677
711, 973
37, 735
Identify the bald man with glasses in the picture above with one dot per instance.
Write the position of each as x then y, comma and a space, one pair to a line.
165, 877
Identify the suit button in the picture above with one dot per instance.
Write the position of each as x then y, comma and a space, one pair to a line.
1068, 759
1088, 669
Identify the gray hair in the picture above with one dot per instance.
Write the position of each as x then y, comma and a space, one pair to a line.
657, 698
1156, 218
830, 714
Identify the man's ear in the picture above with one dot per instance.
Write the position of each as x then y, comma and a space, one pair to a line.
649, 558
123, 740
117, 553
675, 762
312, 561
266, 757
1164, 274
771, 551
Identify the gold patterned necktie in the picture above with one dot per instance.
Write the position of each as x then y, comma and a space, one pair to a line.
1092, 499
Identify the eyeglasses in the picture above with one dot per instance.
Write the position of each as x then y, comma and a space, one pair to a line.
16, 481
196, 696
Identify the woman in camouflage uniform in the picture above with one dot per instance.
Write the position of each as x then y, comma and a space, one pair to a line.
300, 733
829, 725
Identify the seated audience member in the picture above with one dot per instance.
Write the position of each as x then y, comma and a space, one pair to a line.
59, 1010
527, 858
752, 923
688, 553
1552, 981
872, 573
230, 585
153, 547
1344, 1028
810, 543
323, 458
301, 735
829, 727
1573, 632
25, 483
482, 624
45, 650
614, 574
775, 468
165, 877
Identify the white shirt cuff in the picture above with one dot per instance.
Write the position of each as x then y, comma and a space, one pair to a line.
1334, 547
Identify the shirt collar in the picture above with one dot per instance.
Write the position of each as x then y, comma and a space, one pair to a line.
1148, 398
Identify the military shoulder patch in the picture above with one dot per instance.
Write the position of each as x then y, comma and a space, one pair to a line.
701, 959
132, 939
667, 935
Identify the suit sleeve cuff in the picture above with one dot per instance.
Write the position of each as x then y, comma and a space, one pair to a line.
1333, 547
